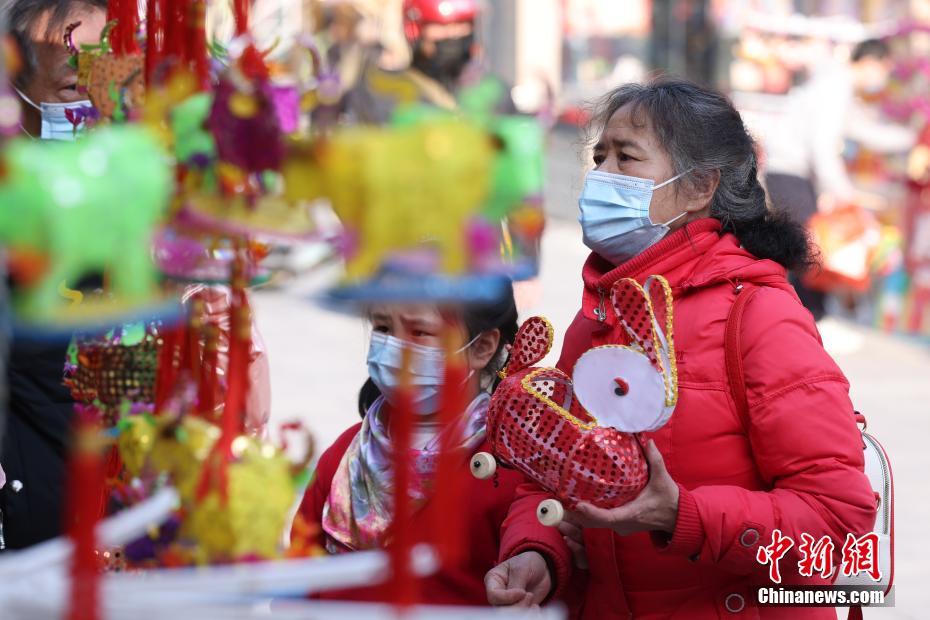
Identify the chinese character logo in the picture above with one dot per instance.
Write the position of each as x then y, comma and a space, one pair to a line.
860, 555
816, 556
771, 554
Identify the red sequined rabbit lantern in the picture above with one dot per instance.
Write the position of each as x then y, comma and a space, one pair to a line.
578, 436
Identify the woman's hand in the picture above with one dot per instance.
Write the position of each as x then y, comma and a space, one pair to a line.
574, 538
655, 509
521, 581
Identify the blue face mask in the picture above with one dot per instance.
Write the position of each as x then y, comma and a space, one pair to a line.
614, 218
55, 123
427, 365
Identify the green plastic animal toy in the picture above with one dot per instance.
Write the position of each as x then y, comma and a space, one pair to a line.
519, 165
81, 208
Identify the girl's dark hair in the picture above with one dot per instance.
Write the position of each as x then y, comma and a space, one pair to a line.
871, 48
500, 315
702, 132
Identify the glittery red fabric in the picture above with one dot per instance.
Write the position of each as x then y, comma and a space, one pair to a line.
536, 425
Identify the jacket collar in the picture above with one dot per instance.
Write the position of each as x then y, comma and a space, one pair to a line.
686, 245
699, 255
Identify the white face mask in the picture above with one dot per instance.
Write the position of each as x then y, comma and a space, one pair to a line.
427, 366
614, 218
55, 122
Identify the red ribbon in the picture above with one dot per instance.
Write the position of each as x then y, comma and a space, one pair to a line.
168, 355
175, 30
241, 16
207, 383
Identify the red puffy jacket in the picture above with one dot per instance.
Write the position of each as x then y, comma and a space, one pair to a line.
486, 504
796, 466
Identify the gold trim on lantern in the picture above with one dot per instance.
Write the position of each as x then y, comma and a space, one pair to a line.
527, 387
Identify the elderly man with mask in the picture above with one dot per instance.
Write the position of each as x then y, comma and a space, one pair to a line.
47, 83
39, 407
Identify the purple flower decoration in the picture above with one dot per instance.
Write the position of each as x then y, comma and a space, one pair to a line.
200, 161
84, 114
147, 547
286, 102
482, 238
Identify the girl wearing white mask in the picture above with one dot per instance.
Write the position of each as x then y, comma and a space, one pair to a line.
351, 495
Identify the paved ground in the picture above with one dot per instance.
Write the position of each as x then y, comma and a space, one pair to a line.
318, 364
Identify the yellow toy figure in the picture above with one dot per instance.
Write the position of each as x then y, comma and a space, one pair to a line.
396, 188
251, 521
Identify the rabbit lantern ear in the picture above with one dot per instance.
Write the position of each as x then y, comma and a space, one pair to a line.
635, 312
632, 388
532, 343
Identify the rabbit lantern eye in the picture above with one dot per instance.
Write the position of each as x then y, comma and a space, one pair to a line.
623, 388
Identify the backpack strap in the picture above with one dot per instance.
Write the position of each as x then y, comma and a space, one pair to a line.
737, 381
733, 353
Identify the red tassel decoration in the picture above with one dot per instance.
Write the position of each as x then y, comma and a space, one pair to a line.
207, 383
197, 58
85, 496
240, 343
241, 16
402, 584
252, 63
154, 37
448, 518
169, 355
175, 30
232, 423
113, 13
123, 35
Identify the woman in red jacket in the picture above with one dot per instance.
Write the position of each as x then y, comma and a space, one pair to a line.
350, 496
675, 192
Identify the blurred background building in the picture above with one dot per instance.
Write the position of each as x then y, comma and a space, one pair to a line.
559, 55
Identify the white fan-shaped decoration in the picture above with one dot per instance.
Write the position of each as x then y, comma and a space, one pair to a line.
632, 388
621, 388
